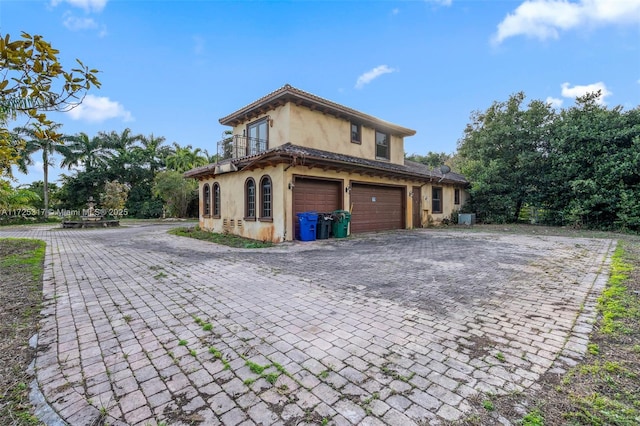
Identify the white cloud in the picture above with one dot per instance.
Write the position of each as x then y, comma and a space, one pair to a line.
576, 91
544, 19
395, 11
371, 75
87, 5
554, 102
442, 2
96, 109
76, 24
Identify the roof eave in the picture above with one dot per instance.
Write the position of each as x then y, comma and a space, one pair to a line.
300, 97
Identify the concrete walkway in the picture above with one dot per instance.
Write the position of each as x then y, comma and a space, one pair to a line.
142, 328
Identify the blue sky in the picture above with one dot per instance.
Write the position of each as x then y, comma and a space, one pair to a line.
173, 68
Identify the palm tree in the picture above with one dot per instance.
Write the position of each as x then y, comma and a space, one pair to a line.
47, 140
120, 142
186, 158
155, 153
91, 152
125, 152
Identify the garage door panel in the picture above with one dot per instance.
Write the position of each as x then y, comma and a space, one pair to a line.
376, 208
318, 195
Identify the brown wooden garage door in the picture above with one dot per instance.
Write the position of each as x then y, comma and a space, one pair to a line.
376, 208
316, 195
322, 196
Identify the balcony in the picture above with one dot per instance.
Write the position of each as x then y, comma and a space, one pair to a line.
238, 146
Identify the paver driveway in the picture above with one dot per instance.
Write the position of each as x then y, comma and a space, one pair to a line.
395, 328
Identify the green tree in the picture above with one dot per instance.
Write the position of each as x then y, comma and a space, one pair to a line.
433, 159
16, 198
594, 177
38, 188
176, 191
503, 152
33, 83
10, 147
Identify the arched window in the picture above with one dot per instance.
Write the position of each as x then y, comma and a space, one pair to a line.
250, 199
216, 200
265, 198
206, 197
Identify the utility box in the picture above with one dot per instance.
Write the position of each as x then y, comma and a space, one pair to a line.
466, 219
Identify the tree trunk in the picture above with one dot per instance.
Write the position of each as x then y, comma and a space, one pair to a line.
45, 187
518, 208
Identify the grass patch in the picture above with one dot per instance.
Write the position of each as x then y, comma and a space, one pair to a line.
533, 418
256, 368
224, 239
617, 305
218, 355
488, 405
271, 377
21, 262
597, 409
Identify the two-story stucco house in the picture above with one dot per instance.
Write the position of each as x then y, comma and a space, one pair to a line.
292, 151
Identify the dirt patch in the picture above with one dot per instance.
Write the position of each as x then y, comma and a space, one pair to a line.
20, 302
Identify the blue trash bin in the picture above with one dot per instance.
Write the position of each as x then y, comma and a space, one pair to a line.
307, 222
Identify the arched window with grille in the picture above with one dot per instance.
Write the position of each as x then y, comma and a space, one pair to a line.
216, 200
250, 199
266, 198
206, 197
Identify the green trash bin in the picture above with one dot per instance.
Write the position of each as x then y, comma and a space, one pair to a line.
341, 219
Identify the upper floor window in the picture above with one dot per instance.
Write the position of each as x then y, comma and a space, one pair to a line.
206, 198
382, 145
356, 133
265, 198
257, 136
436, 200
456, 196
250, 199
216, 200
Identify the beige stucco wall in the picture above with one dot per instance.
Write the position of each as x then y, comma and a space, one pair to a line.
448, 206
313, 129
279, 126
281, 228
232, 206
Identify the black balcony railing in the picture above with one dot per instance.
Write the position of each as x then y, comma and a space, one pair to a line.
237, 146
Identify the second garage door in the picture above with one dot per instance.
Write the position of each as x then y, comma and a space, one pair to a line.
376, 208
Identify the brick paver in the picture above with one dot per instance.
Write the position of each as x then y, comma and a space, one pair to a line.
394, 328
